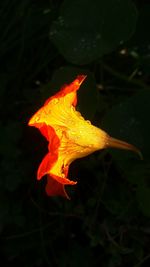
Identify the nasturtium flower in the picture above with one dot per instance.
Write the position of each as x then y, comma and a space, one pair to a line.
69, 137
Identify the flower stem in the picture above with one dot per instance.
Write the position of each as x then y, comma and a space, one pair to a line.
113, 142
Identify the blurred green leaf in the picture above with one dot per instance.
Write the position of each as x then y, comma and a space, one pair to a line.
87, 30
129, 121
139, 45
141, 37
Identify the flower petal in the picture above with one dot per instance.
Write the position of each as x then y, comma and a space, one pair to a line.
46, 165
67, 89
69, 137
54, 188
68, 134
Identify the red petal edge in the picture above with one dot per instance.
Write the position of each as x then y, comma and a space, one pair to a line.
55, 184
66, 89
55, 188
52, 156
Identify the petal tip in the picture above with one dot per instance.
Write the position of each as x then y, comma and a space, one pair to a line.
81, 78
31, 122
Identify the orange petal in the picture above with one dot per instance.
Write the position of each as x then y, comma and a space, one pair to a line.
51, 157
62, 180
46, 165
66, 89
54, 188
45, 130
55, 185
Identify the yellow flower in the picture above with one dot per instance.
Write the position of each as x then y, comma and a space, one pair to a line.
70, 136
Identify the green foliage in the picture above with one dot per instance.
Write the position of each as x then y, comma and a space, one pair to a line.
106, 223
87, 30
128, 120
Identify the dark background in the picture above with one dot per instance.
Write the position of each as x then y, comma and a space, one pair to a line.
44, 44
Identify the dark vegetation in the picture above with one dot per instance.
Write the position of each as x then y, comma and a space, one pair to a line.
44, 44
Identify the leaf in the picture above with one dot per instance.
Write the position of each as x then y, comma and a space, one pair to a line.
87, 30
129, 121
139, 43
141, 37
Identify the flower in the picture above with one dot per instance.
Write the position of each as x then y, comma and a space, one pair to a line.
69, 135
